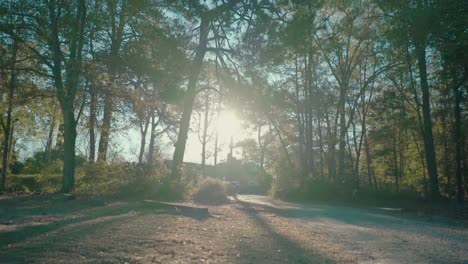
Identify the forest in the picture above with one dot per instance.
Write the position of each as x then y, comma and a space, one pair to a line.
316, 99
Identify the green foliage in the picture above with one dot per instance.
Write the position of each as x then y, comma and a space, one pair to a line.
117, 178
211, 191
264, 181
286, 179
49, 183
44, 183
22, 183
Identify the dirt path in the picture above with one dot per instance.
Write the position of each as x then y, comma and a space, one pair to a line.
253, 229
352, 235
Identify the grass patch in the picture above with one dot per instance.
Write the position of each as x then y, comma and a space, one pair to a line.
210, 191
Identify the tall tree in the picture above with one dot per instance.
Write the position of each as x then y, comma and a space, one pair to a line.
55, 33
215, 20
7, 125
415, 19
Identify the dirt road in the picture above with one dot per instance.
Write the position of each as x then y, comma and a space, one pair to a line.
352, 235
252, 229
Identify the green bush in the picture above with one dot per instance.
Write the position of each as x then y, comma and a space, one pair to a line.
210, 191
22, 183
100, 178
30, 183
127, 180
124, 178
49, 183
287, 180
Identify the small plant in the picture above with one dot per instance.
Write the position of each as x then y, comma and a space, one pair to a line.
210, 191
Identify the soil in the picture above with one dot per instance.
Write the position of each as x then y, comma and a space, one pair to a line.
249, 229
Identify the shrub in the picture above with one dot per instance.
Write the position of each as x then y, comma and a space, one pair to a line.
210, 191
287, 179
29, 183
112, 178
129, 181
21, 183
100, 178
49, 183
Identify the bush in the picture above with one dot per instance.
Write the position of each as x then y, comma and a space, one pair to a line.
129, 181
287, 181
100, 178
211, 191
29, 183
22, 183
118, 178
49, 183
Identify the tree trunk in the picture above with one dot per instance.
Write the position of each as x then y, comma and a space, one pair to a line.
423, 165
143, 132
152, 139
261, 147
459, 144
395, 162
68, 148
447, 164
50, 137
7, 128
92, 124
357, 150
331, 149
179, 151
205, 131
300, 117
427, 122
116, 41
343, 131
105, 128
67, 93
216, 150
322, 175
368, 160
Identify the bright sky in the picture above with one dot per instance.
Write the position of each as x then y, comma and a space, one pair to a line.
127, 143
228, 125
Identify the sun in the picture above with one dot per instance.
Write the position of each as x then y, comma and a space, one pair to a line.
228, 125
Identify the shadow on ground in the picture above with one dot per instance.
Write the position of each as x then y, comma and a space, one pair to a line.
351, 215
35, 226
375, 218
279, 249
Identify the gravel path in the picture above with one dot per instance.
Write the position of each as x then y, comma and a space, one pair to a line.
352, 235
251, 229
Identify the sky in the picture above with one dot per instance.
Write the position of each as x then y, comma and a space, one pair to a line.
127, 143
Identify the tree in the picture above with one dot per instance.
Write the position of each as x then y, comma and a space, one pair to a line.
453, 49
50, 26
413, 19
120, 13
215, 20
7, 125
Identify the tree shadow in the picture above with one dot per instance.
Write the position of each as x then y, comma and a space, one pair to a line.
56, 238
375, 218
82, 214
282, 250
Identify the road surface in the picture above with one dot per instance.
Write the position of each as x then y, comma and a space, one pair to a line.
251, 229
354, 235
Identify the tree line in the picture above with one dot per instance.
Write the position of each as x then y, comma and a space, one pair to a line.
364, 94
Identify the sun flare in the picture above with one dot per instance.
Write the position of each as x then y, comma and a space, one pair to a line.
228, 125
